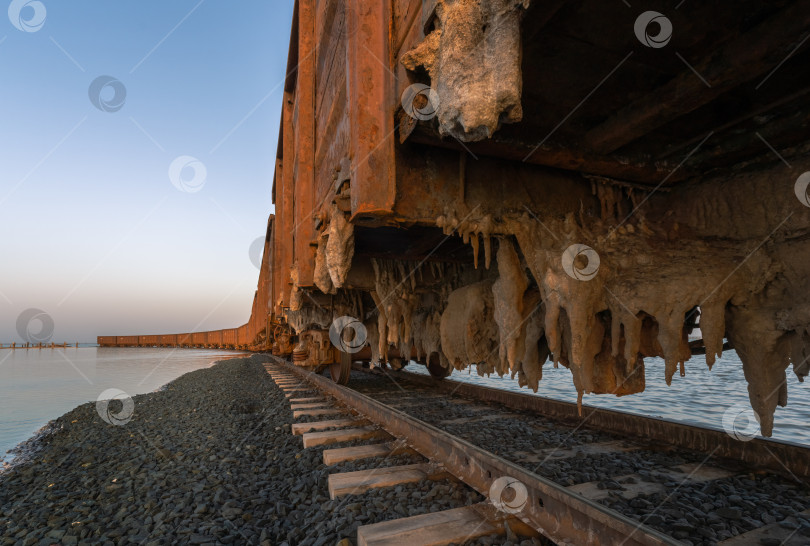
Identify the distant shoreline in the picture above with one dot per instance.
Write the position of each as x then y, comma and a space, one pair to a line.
28, 448
79, 452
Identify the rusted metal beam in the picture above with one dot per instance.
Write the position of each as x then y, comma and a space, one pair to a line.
277, 248
285, 211
371, 83
304, 229
751, 55
292, 55
550, 508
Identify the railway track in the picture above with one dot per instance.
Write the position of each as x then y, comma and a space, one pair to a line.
574, 483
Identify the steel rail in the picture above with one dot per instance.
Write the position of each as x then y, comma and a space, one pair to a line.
785, 458
565, 517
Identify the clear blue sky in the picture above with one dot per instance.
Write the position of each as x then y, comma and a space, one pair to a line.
94, 233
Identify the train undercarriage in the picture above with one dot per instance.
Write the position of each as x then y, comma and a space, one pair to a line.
515, 183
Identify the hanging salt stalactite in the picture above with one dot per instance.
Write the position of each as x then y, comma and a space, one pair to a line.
339, 246
321, 271
571, 328
382, 332
535, 349
713, 328
477, 91
396, 297
296, 296
474, 241
637, 301
763, 356
508, 302
373, 340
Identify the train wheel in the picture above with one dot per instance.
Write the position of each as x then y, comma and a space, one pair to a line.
340, 371
437, 371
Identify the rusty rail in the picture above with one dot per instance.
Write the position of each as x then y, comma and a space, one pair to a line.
778, 456
563, 516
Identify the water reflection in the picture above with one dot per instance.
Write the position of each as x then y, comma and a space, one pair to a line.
41, 384
700, 398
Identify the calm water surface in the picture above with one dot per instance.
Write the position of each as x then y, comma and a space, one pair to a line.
701, 398
39, 385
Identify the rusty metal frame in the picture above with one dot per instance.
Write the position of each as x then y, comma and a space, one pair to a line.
304, 169
371, 82
285, 210
563, 516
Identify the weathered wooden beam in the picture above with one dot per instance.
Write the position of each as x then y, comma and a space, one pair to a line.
781, 132
747, 116
341, 454
455, 526
298, 429
747, 57
317, 412
326, 437
553, 155
360, 481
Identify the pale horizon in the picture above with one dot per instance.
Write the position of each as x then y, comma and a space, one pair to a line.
96, 234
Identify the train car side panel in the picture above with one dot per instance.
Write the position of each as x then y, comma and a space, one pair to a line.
214, 339
127, 341
107, 341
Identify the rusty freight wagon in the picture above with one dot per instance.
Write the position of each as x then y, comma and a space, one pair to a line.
510, 182
148, 341
198, 339
184, 340
168, 340
107, 341
214, 339
229, 338
127, 341
514, 182
242, 340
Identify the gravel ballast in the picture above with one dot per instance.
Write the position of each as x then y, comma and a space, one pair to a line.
696, 513
209, 459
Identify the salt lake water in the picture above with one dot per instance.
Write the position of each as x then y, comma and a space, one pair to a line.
701, 398
37, 385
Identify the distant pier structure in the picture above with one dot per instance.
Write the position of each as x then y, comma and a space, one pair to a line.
39, 345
